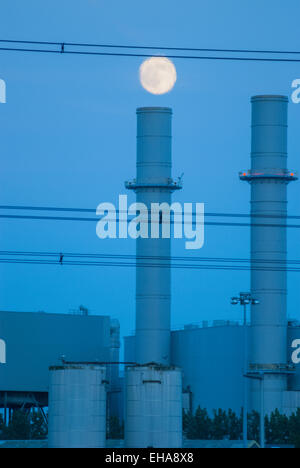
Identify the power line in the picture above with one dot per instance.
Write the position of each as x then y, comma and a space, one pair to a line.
147, 47
146, 265
95, 220
93, 210
144, 257
62, 50
146, 261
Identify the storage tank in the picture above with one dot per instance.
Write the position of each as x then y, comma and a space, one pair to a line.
77, 406
153, 413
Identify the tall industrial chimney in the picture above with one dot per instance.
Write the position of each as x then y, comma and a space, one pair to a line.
269, 178
153, 388
153, 184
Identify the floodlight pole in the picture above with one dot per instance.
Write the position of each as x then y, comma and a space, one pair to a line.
262, 411
245, 412
245, 299
261, 377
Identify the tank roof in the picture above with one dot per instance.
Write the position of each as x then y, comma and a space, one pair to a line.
269, 97
154, 109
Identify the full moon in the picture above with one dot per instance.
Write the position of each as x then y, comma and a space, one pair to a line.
158, 75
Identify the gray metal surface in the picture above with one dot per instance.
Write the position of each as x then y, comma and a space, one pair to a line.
269, 178
153, 395
77, 406
153, 184
153, 416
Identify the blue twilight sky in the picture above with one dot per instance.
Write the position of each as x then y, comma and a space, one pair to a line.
68, 139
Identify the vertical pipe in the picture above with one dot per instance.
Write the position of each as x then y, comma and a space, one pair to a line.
153, 184
153, 295
153, 411
269, 197
269, 178
245, 413
113, 370
113, 396
262, 412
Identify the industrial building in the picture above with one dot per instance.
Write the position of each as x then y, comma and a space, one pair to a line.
171, 370
212, 359
212, 354
36, 341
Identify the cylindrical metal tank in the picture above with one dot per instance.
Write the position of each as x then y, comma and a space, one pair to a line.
153, 184
269, 178
77, 406
153, 414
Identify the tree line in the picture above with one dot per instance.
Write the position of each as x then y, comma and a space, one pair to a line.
24, 425
280, 429
30, 425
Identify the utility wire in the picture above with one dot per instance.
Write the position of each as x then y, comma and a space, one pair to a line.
145, 257
95, 220
147, 265
93, 210
62, 49
147, 47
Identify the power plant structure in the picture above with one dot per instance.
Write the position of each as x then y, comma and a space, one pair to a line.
169, 370
269, 178
34, 341
153, 185
153, 388
274, 380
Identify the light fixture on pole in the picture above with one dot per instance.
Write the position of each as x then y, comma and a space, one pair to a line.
245, 299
